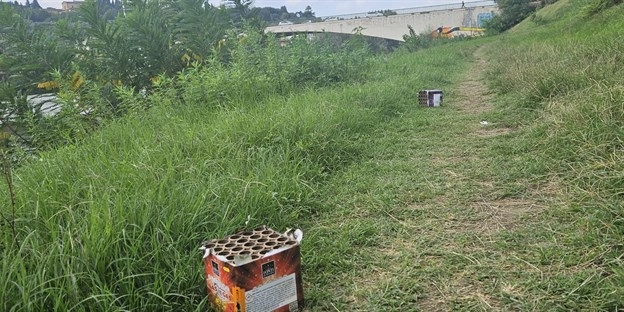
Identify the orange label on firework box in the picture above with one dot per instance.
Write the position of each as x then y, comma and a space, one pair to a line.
254, 271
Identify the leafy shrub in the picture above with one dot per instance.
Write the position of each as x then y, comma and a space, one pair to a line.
258, 68
415, 42
184, 47
512, 12
597, 6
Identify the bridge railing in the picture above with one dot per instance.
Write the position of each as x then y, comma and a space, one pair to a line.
431, 8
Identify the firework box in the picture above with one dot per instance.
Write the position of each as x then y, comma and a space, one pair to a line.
430, 98
257, 270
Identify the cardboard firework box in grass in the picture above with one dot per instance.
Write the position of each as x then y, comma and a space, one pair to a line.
430, 98
255, 271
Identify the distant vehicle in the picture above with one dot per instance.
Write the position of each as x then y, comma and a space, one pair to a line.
282, 23
450, 32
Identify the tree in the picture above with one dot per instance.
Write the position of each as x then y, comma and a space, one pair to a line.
198, 28
307, 13
388, 12
30, 55
269, 14
35, 4
512, 12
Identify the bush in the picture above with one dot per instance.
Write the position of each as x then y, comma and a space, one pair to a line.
598, 6
126, 57
259, 68
415, 42
512, 12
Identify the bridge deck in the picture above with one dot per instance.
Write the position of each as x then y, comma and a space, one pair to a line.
423, 20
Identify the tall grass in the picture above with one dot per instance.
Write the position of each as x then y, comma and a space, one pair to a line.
260, 68
114, 222
564, 84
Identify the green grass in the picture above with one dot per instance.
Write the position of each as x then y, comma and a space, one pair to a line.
115, 223
525, 214
403, 208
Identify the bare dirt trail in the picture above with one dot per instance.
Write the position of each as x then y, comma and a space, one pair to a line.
468, 267
464, 226
445, 256
434, 223
474, 96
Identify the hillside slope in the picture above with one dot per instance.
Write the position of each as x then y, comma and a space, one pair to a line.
508, 197
559, 79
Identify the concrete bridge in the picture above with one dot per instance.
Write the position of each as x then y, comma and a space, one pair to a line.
423, 20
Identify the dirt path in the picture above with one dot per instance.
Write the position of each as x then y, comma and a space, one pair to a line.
465, 227
474, 97
438, 251
435, 220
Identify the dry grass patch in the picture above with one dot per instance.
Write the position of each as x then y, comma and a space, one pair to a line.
474, 97
504, 214
488, 132
462, 290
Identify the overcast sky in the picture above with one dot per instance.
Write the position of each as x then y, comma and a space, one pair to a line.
320, 7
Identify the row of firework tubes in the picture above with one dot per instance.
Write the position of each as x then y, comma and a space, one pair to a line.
253, 244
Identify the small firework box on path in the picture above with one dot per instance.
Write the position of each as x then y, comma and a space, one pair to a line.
430, 98
255, 271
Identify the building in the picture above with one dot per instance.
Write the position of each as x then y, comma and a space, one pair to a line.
71, 5
228, 4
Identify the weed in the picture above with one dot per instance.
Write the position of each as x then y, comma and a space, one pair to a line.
8, 175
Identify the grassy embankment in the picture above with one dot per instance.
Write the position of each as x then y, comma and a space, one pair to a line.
560, 76
115, 222
523, 214
404, 208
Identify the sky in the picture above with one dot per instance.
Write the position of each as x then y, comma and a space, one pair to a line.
320, 7
337, 7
